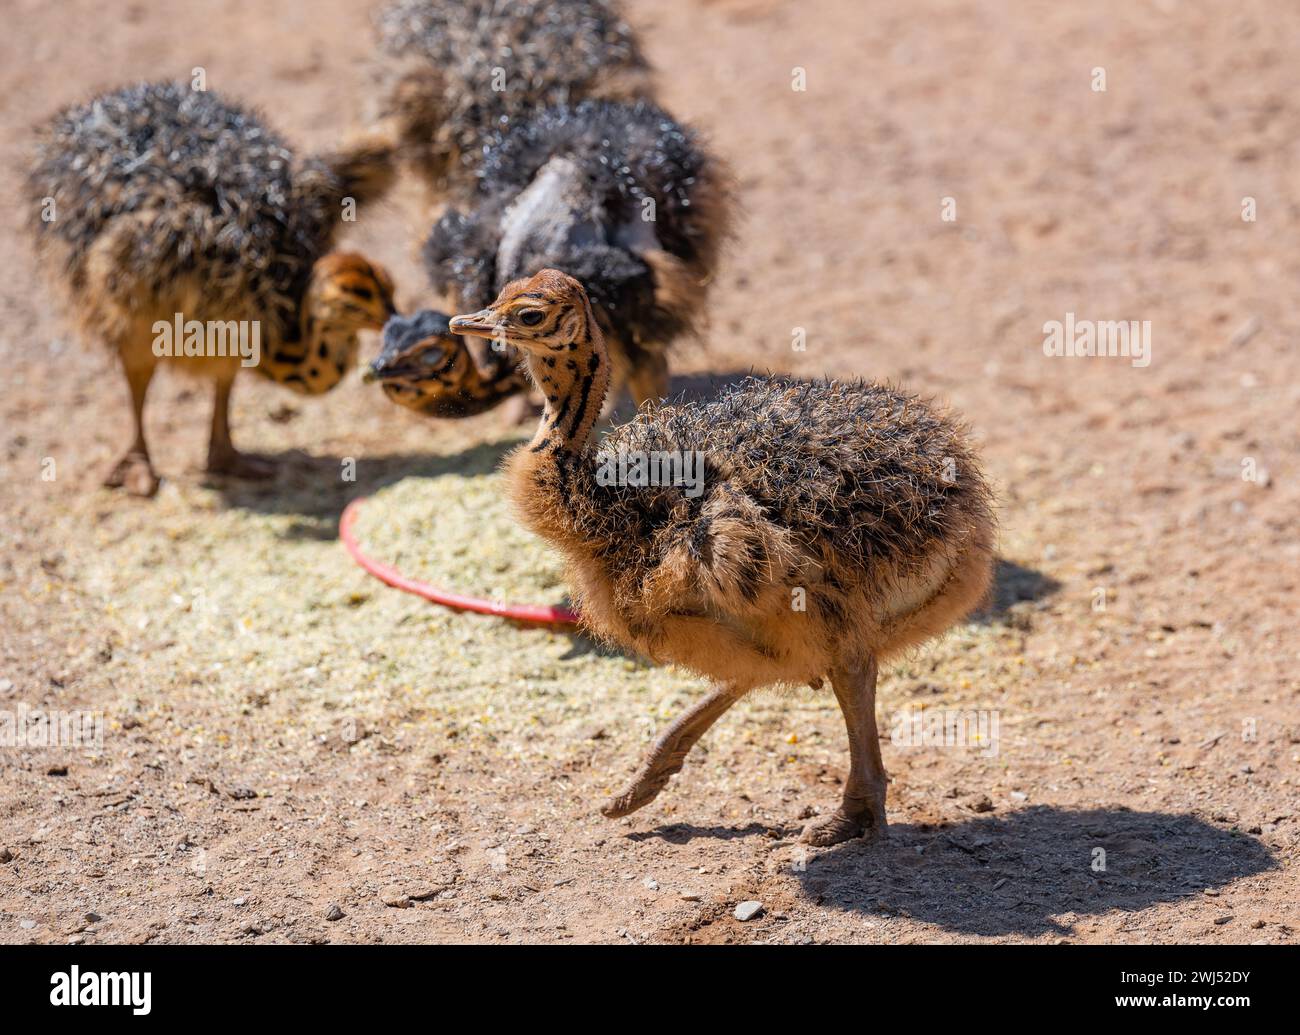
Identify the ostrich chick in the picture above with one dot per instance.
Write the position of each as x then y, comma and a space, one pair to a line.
158, 204
827, 526
424, 367
620, 196
456, 72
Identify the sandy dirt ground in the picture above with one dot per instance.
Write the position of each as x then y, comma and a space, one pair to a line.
295, 753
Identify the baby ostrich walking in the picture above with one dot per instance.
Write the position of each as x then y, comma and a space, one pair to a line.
838, 523
157, 200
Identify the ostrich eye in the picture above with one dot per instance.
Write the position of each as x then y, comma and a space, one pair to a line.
531, 317
432, 357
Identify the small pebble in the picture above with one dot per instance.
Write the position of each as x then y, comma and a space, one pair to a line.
395, 897
6, 855
57, 770
650, 884
1245, 332
27, 925
1219, 921
334, 913
93, 918
691, 896
748, 910
240, 902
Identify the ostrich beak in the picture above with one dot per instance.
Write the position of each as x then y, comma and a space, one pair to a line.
482, 324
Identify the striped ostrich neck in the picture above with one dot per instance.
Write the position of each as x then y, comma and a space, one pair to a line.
574, 378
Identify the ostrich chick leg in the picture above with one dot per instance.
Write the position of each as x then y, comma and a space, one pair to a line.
134, 471
649, 380
863, 807
223, 457
670, 751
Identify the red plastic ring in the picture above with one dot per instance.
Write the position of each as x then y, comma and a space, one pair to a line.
534, 614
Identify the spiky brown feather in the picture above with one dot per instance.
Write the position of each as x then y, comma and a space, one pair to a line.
864, 498
181, 184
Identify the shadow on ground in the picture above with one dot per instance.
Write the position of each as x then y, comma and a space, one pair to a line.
1013, 584
1019, 873
317, 488
684, 833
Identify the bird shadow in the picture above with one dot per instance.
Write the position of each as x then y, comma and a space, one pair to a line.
1013, 584
684, 833
316, 488
1029, 872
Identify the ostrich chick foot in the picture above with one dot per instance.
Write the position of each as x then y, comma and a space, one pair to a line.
135, 474
643, 789
842, 826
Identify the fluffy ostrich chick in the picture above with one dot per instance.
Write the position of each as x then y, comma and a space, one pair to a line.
457, 72
852, 500
157, 200
620, 196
